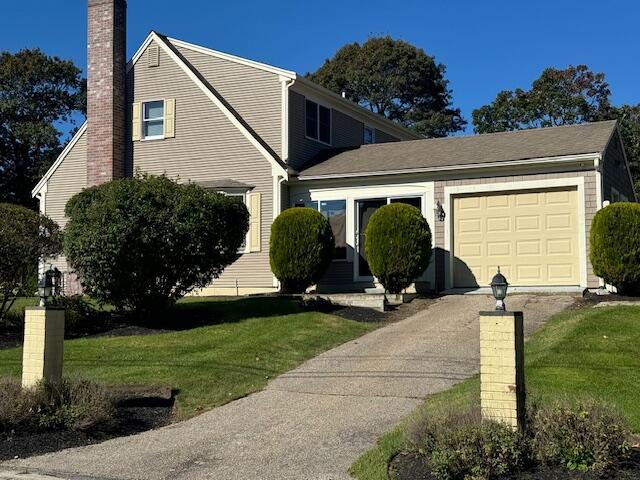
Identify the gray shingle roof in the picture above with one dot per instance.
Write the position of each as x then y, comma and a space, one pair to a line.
461, 151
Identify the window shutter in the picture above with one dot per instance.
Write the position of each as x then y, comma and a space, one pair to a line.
136, 121
169, 118
253, 201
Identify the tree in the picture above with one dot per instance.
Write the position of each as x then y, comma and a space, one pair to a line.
37, 94
398, 245
25, 237
142, 243
558, 97
562, 97
300, 248
395, 79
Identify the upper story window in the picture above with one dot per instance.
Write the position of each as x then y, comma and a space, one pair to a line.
318, 122
153, 119
369, 135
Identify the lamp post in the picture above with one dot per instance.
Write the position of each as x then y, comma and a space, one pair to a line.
45, 287
499, 287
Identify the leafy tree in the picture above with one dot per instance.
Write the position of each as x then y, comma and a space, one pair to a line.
562, 97
395, 79
398, 245
300, 248
25, 237
37, 94
144, 242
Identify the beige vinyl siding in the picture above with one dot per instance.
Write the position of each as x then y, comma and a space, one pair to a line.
69, 179
206, 146
590, 208
384, 137
614, 171
255, 94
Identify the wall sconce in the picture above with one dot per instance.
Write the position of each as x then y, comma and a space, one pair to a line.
439, 211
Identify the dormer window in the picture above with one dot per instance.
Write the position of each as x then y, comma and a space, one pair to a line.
369, 135
153, 119
318, 122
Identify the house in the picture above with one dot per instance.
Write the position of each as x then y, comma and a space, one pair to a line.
522, 200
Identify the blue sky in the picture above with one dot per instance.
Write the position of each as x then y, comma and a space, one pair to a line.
487, 45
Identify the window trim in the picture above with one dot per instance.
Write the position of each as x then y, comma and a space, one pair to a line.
373, 134
143, 120
242, 194
318, 104
317, 203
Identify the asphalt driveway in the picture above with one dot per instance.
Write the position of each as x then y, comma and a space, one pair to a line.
312, 422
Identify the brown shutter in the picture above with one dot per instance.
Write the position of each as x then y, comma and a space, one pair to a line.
169, 118
253, 202
136, 121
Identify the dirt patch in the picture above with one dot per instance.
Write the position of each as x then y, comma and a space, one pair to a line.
590, 299
139, 408
413, 466
360, 314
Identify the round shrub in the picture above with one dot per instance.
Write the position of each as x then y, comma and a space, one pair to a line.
25, 237
144, 242
300, 249
615, 246
587, 436
398, 245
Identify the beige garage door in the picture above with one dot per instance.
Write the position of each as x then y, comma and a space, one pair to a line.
531, 235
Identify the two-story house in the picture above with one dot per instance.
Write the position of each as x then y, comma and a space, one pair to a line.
521, 200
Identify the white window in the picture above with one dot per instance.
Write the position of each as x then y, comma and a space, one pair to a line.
153, 120
317, 122
369, 135
336, 212
240, 197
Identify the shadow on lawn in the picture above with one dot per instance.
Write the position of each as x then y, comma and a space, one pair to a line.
193, 312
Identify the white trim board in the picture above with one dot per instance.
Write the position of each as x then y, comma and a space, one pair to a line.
43, 181
480, 189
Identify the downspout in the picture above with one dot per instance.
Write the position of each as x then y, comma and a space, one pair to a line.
597, 165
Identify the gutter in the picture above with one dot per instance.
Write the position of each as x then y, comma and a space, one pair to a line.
587, 157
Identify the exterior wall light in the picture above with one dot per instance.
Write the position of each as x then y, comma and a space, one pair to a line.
50, 284
499, 287
439, 211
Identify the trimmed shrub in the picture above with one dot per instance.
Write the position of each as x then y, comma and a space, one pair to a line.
300, 249
462, 446
615, 246
65, 405
398, 245
584, 437
25, 237
144, 242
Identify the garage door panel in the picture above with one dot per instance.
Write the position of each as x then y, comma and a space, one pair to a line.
532, 236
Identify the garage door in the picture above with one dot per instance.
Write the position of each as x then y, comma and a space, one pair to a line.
531, 235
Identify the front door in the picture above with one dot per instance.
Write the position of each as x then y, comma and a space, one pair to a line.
365, 208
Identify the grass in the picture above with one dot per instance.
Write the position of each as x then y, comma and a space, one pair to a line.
588, 353
219, 350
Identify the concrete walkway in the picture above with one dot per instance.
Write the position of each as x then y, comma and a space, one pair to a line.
314, 421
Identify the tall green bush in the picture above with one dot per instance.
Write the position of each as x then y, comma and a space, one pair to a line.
301, 248
144, 242
615, 246
398, 245
25, 237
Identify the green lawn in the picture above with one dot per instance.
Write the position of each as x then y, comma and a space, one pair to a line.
220, 350
593, 352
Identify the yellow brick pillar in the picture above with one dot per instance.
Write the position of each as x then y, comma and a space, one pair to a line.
502, 392
43, 348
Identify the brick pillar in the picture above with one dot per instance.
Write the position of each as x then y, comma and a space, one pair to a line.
106, 88
43, 348
502, 392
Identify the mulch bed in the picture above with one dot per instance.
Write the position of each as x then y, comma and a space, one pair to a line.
412, 466
139, 408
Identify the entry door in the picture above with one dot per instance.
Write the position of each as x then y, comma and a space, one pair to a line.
366, 208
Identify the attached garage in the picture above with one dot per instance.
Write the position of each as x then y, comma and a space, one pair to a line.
533, 235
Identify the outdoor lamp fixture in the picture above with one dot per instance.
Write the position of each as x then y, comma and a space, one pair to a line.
45, 286
439, 211
499, 286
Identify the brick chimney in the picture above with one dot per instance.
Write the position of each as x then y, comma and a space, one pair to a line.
106, 86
